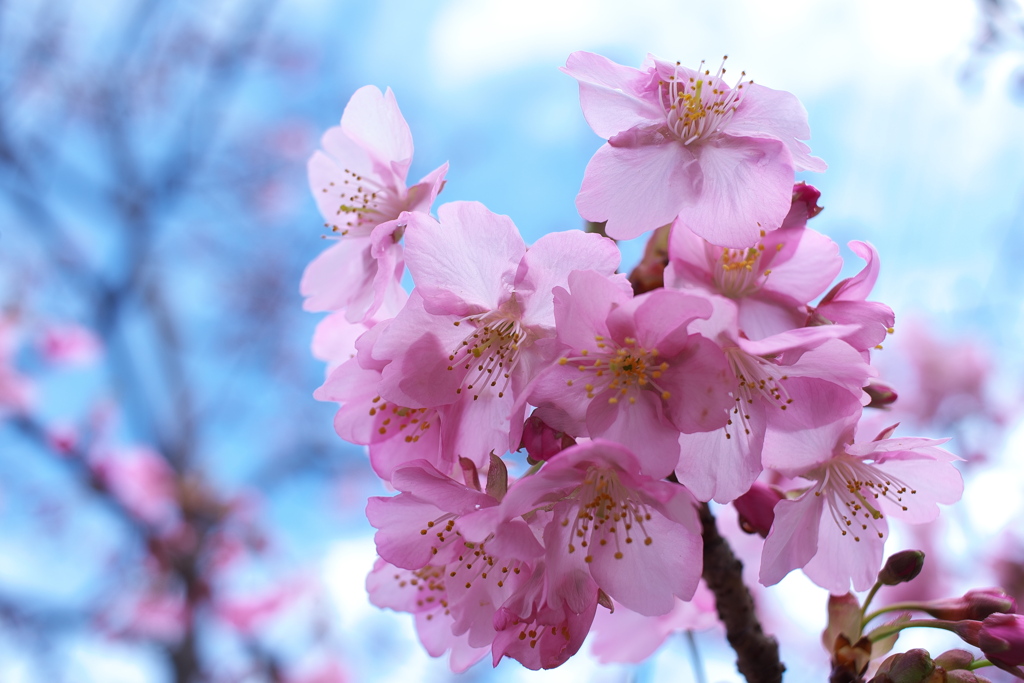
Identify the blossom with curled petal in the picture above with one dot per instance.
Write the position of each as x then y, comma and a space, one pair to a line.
836, 528
846, 303
683, 143
359, 183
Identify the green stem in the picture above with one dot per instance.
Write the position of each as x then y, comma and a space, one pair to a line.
867, 601
886, 631
896, 607
533, 469
979, 663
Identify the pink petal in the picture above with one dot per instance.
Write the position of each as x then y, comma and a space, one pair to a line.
747, 187
797, 440
805, 266
640, 188
699, 384
841, 560
793, 539
714, 467
374, 122
548, 263
582, 313
641, 427
466, 263
765, 111
648, 577
762, 316
932, 481
611, 95
341, 277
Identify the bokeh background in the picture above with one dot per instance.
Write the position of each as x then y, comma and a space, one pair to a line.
174, 505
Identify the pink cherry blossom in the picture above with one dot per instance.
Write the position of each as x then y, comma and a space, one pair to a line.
17, 391
359, 183
632, 372
772, 282
722, 464
467, 338
684, 144
247, 613
142, 481
69, 344
638, 537
836, 528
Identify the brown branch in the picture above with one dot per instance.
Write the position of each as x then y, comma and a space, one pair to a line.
757, 654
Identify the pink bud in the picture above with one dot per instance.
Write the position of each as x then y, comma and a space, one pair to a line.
976, 604
1002, 639
756, 508
542, 441
882, 395
902, 567
804, 207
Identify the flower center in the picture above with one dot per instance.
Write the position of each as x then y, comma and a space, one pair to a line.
363, 204
738, 272
852, 489
757, 378
489, 353
607, 513
623, 370
699, 105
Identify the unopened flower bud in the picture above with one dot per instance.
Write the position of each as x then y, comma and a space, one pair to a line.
974, 604
649, 274
1002, 639
953, 660
901, 567
542, 441
882, 395
912, 666
756, 508
804, 205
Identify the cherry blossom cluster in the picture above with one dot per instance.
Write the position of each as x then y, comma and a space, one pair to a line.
730, 367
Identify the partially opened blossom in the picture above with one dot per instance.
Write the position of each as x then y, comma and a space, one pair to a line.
467, 338
359, 183
631, 372
684, 144
772, 282
836, 528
